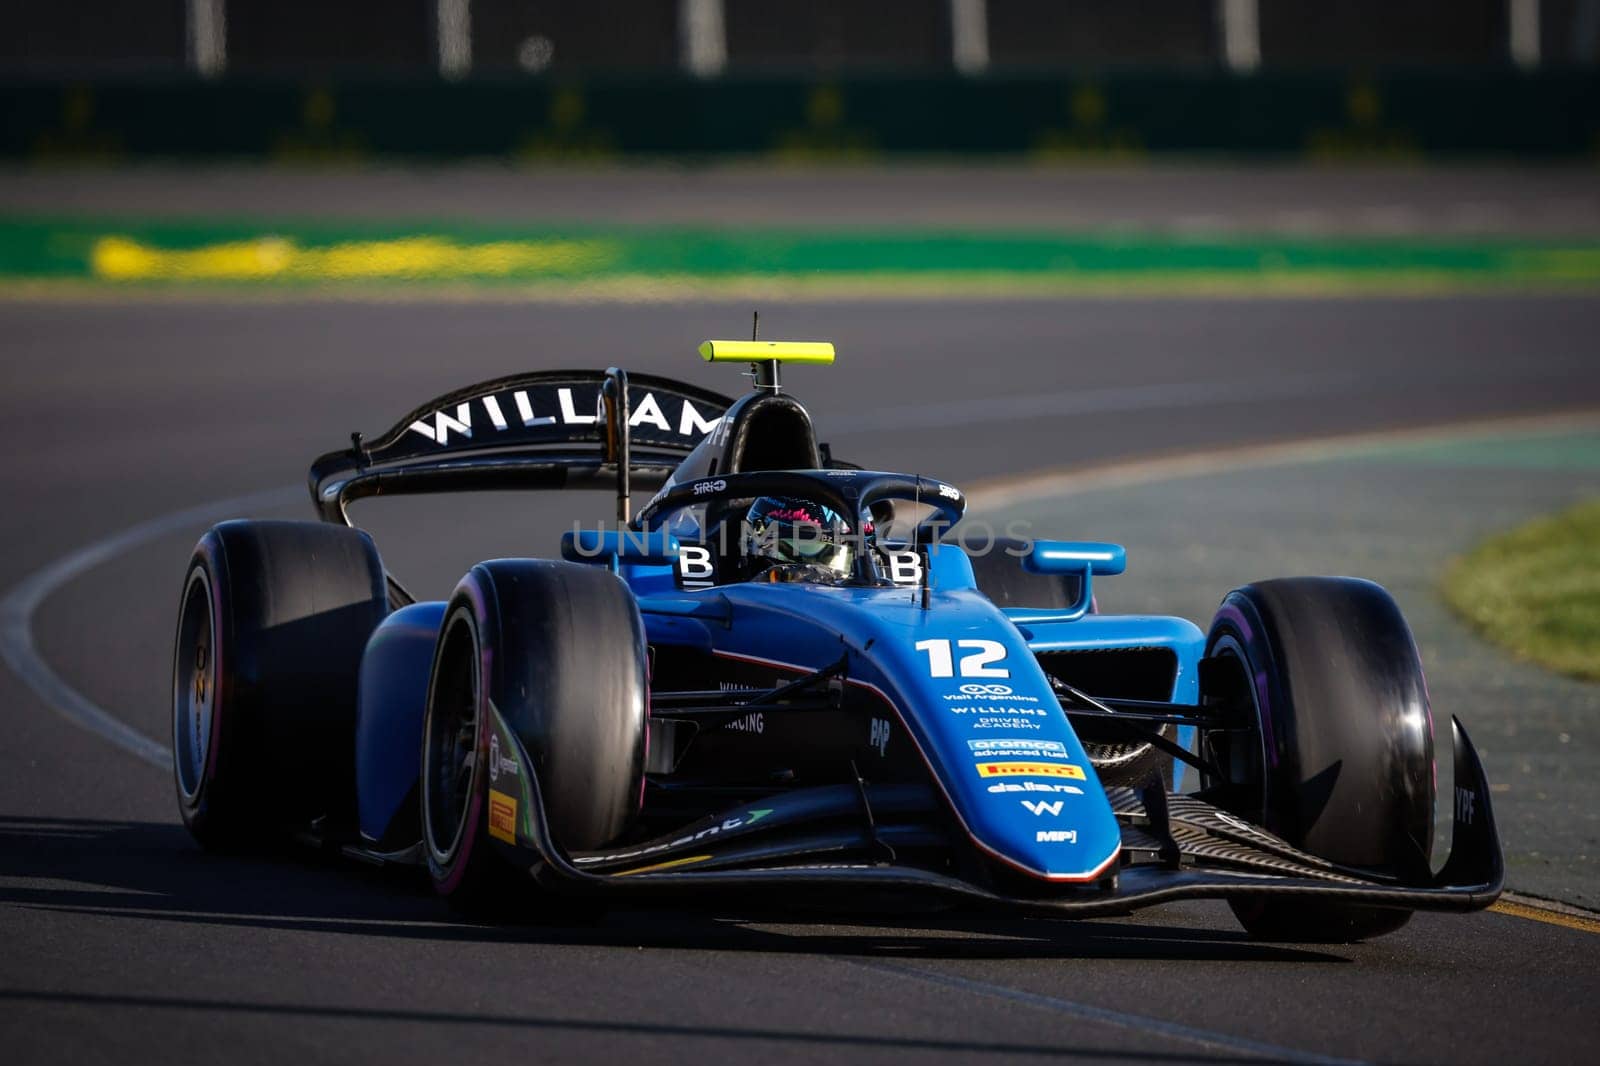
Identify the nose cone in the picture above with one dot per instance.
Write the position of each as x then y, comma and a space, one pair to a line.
972, 695
999, 744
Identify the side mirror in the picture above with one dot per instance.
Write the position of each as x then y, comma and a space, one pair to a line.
649, 547
1080, 557
1070, 558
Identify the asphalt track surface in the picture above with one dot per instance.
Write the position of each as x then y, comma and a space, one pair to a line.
1403, 506
1553, 201
123, 943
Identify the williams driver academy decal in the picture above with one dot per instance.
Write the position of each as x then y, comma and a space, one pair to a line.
999, 708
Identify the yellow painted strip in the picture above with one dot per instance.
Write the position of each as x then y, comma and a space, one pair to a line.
123, 259
816, 352
669, 864
1548, 917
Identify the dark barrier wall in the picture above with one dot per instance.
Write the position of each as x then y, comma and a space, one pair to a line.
761, 37
514, 36
93, 36
300, 36
837, 35
1036, 33
1569, 32
1382, 32
1115, 116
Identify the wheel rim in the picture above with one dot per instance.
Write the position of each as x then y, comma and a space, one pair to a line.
194, 686
1227, 646
450, 758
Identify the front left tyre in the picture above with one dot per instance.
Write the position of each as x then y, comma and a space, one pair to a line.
272, 622
557, 650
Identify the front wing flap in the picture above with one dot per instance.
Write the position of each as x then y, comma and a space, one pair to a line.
852, 837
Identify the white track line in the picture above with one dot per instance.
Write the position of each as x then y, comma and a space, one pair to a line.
17, 609
1139, 1023
1123, 399
997, 493
1126, 399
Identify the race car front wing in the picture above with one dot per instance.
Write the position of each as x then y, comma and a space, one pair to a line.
860, 837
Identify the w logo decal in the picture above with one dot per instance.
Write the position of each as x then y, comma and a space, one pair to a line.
1053, 807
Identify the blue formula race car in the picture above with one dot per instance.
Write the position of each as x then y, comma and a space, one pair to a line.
785, 675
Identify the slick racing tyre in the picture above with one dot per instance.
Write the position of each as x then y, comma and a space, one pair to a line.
558, 650
1343, 758
271, 627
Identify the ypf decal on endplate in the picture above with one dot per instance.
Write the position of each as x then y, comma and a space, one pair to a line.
1029, 769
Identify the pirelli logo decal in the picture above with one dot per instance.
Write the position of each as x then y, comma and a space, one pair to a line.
502, 816
1029, 769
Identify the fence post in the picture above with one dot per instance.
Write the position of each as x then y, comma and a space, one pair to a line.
969, 35
1523, 20
455, 37
208, 37
702, 37
1241, 35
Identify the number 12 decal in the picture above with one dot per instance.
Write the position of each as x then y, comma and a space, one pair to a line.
941, 662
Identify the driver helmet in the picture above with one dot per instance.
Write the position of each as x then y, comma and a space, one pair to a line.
783, 530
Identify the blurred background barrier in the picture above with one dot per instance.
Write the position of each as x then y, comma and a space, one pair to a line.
351, 79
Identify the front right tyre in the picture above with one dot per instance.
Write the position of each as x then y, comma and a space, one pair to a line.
1340, 762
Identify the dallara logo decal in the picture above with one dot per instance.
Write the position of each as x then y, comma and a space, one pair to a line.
502, 816
1029, 769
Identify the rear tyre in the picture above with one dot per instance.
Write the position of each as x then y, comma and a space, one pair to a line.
1345, 760
558, 650
272, 623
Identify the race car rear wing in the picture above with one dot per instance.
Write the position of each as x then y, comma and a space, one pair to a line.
544, 430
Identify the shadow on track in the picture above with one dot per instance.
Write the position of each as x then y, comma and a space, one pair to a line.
153, 872
989, 1049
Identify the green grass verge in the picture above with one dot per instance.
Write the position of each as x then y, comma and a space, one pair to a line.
123, 252
1536, 590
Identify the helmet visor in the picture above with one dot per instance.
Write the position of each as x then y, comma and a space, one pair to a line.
815, 551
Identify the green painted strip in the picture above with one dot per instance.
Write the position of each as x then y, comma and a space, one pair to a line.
249, 252
1564, 451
